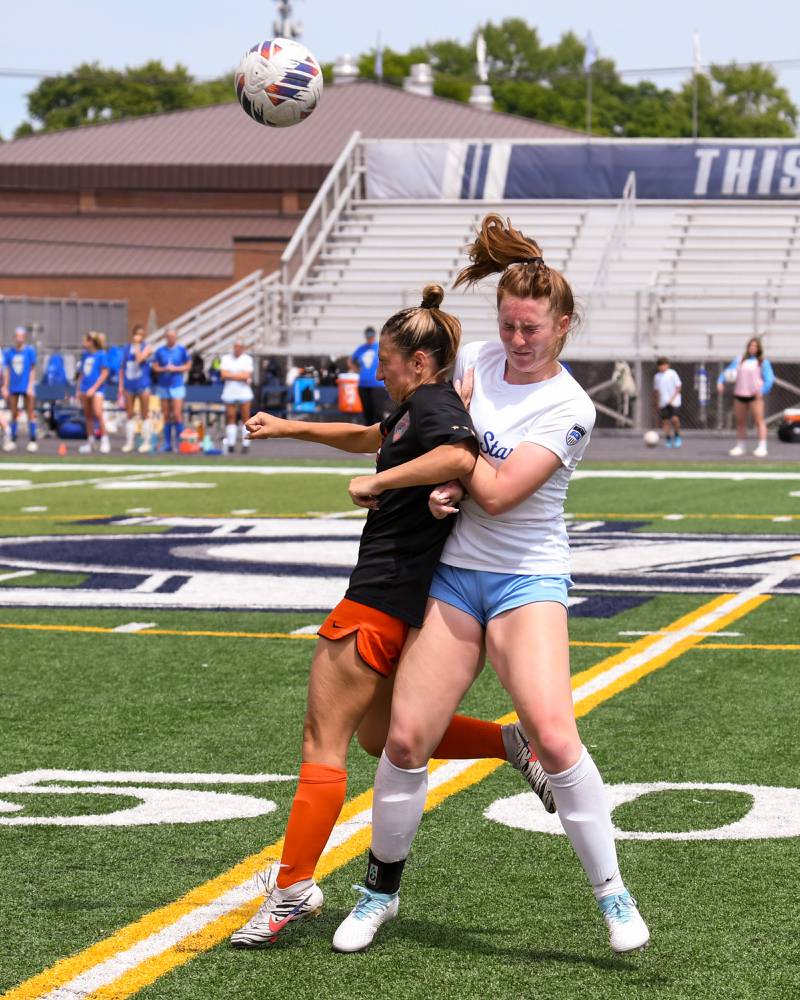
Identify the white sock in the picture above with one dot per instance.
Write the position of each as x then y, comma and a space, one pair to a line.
130, 432
397, 805
583, 810
147, 430
230, 435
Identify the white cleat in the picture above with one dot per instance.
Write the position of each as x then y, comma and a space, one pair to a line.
626, 929
127, 447
10, 445
105, 445
519, 756
86, 449
736, 451
761, 450
145, 448
358, 929
281, 908
33, 446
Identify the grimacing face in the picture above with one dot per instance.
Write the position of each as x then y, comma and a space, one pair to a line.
530, 333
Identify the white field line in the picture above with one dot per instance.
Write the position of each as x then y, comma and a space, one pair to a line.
106, 972
134, 627
84, 482
17, 575
717, 635
355, 470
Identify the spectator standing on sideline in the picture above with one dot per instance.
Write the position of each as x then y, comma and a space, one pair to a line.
667, 399
752, 377
134, 383
92, 379
19, 379
364, 360
170, 364
236, 369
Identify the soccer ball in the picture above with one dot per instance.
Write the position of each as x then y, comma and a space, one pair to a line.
651, 439
278, 82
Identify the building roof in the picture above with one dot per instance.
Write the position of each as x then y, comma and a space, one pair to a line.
189, 245
220, 148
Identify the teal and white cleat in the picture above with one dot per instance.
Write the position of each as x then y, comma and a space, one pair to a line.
519, 756
280, 909
358, 929
627, 931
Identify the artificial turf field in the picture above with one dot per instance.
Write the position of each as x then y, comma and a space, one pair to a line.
123, 879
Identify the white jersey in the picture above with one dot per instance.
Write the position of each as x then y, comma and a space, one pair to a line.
234, 391
665, 383
530, 539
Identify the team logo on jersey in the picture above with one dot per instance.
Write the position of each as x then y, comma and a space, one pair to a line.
401, 427
574, 434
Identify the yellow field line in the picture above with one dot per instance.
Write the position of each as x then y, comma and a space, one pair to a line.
152, 968
106, 630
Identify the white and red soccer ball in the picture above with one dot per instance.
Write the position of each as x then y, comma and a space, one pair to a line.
278, 82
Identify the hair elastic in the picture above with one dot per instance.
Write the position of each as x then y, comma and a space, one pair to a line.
528, 260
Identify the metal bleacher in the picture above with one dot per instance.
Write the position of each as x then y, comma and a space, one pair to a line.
692, 279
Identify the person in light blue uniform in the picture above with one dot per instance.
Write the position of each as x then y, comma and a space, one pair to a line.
135, 380
92, 377
374, 398
19, 379
170, 364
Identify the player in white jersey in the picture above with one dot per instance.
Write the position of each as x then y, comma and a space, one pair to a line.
502, 580
237, 393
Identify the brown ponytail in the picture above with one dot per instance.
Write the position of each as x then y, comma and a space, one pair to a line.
426, 328
499, 248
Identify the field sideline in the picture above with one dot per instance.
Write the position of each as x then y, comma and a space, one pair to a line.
157, 639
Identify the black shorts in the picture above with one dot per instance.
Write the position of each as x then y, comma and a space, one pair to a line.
745, 399
668, 411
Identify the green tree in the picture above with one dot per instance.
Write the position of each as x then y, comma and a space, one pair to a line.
92, 93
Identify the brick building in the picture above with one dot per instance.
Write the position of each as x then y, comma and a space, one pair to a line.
165, 211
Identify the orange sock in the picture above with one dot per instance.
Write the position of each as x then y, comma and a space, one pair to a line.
467, 738
317, 803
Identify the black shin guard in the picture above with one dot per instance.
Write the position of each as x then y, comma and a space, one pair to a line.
384, 876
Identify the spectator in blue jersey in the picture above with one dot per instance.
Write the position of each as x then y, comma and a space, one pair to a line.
135, 380
19, 380
374, 398
92, 380
170, 364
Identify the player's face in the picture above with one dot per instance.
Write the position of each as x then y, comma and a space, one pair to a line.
752, 348
19, 340
172, 338
399, 374
530, 334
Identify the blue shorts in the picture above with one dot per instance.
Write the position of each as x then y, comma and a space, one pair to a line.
171, 392
485, 595
137, 387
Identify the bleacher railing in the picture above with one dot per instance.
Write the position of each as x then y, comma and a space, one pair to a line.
250, 309
343, 183
623, 218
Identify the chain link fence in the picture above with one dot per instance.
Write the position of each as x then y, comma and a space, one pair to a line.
702, 408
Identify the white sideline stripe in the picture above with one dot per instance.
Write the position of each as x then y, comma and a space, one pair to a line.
134, 627
61, 484
354, 470
152, 583
18, 574
106, 972
717, 635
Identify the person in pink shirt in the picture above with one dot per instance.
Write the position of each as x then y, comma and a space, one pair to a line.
752, 378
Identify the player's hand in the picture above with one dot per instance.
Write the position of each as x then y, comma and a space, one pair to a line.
89, 393
364, 492
442, 501
263, 425
465, 386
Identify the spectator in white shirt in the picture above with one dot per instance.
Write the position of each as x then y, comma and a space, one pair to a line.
236, 370
667, 399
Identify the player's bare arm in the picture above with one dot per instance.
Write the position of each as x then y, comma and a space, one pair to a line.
498, 489
354, 438
448, 460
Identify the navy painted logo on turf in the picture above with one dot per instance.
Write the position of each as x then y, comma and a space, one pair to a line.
574, 434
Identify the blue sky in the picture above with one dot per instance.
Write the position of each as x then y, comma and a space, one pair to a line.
209, 38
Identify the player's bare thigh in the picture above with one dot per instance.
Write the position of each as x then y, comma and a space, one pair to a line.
436, 670
529, 649
341, 690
